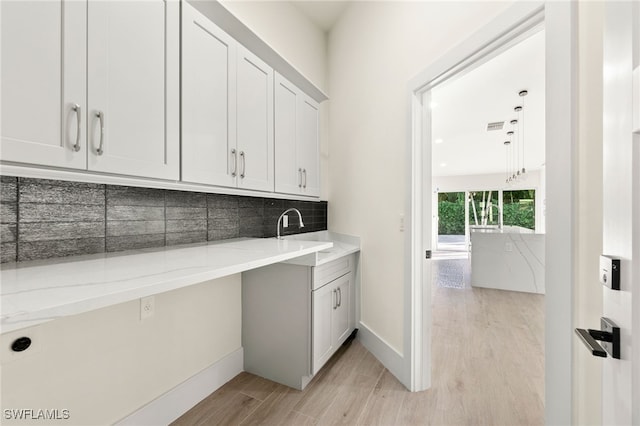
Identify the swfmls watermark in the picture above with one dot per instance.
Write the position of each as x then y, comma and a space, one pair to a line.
36, 414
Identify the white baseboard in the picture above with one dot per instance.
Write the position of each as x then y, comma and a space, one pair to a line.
383, 351
168, 407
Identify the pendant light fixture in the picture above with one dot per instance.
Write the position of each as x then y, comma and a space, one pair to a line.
514, 150
507, 151
515, 146
522, 94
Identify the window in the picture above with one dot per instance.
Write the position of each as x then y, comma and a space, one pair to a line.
451, 213
520, 208
483, 208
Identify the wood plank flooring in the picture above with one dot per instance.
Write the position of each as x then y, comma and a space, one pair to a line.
487, 369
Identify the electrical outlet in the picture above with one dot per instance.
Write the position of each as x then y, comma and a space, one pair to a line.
401, 222
147, 307
285, 221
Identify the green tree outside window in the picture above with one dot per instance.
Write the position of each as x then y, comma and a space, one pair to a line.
520, 208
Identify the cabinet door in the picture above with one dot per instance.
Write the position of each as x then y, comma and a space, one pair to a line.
341, 315
209, 153
308, 145
323, 306
133, 72
254, 122
43, 79
288, 174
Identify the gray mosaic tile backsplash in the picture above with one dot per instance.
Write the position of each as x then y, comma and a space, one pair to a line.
42, 219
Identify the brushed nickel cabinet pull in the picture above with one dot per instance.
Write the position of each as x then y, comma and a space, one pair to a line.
234, 162
100, 116
244, 164
78, 111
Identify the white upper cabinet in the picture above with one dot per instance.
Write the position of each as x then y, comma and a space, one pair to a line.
209, 153
254, 122
133, 64
227, 109
44, 82
309, 145
288, 175
296, 141
92, 85
153, 89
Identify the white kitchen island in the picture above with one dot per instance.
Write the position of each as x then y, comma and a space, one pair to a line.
511, 258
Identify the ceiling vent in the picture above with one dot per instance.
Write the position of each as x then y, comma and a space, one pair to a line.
496, 125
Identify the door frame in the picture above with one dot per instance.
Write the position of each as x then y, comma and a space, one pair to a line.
560, 20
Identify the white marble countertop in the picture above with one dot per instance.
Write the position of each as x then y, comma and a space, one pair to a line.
343, 245
40, 291
507, 229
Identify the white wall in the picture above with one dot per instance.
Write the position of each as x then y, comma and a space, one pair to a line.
374, 51
105, 364
302, 43
281, 25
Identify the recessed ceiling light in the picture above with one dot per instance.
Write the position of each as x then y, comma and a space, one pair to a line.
433, 104
443, 164
438, 141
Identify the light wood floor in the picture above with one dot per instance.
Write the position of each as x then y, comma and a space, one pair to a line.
487, 369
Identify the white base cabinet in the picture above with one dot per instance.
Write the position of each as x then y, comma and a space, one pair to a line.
331, 319
295, 317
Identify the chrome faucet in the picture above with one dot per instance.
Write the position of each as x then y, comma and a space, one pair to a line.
282, 215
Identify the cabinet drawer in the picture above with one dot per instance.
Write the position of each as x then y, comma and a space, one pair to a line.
328, 272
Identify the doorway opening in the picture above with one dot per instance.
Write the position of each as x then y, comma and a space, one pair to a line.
490, 220
515, 24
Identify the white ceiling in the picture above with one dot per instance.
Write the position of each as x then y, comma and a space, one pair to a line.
323, 13
462, 108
